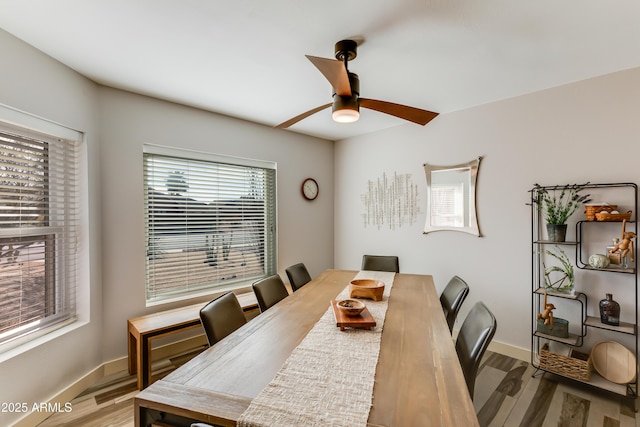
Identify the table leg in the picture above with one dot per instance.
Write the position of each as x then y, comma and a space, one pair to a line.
137, 409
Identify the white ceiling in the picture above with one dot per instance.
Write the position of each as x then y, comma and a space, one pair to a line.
245, 58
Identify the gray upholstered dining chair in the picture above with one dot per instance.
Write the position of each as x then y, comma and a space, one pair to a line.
221, 317
269, 291
298, 276
452, 298
474, 337
380, 263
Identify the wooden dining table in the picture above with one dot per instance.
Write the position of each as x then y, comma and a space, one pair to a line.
418, 379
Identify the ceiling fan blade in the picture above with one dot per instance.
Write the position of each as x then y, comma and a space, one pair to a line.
415, 115
299, 117
335, 72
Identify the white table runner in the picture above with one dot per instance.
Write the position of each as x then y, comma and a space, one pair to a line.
328, 378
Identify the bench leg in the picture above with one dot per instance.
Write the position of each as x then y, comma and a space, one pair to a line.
132, 352
140, 359
144, 362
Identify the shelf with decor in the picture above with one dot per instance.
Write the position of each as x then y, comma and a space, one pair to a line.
581, 230
572, 339
566, 357
623, 327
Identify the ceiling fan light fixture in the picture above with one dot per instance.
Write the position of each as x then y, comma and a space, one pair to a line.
345, 109
345, 116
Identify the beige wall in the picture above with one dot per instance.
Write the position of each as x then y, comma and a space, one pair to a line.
305, 229
36, 84
586, 131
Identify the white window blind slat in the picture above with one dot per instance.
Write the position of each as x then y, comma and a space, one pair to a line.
39, 200
210, 222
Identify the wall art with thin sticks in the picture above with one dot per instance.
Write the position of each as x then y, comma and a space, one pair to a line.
390, 201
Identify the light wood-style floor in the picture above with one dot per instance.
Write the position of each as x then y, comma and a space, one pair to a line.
507, 394
109, 403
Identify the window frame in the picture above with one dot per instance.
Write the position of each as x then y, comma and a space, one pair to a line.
60, 232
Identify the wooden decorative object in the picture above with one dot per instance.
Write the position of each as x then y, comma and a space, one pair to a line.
614, 362
547, 314
366, 288
626, 244
577, 365
364, 320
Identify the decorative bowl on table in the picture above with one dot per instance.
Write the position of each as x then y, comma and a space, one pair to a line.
350, 307
366, 288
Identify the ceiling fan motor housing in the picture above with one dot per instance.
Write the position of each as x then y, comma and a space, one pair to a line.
348, 102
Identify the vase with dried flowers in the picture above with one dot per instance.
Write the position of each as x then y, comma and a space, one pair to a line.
558, 203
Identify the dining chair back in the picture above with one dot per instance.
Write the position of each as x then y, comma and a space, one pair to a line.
221, 317
298, 276
452, 298
380, 263
474, 337
269, 291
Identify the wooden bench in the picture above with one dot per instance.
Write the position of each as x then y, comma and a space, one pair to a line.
143, 329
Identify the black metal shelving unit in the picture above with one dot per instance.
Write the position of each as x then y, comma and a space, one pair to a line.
580, 296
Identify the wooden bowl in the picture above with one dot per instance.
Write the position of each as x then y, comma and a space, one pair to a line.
366, 288
614, 362
350, 307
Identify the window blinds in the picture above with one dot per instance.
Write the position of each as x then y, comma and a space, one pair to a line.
210, 222
39, 199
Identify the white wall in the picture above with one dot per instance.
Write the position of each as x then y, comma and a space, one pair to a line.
31, 81
305, 229
587, 131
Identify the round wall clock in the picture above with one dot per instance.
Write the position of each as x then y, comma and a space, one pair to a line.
310, 189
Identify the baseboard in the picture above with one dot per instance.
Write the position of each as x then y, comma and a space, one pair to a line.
109, 368
162, 352
519, 353
69, 393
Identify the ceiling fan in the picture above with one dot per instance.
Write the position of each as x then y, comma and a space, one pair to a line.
346, 97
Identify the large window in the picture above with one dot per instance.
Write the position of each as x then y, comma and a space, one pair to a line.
39, 217
210, 222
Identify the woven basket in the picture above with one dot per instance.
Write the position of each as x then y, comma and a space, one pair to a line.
592, 210
577, 365
613, 217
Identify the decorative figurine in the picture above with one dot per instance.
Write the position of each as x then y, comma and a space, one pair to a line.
626, 244
547, 314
